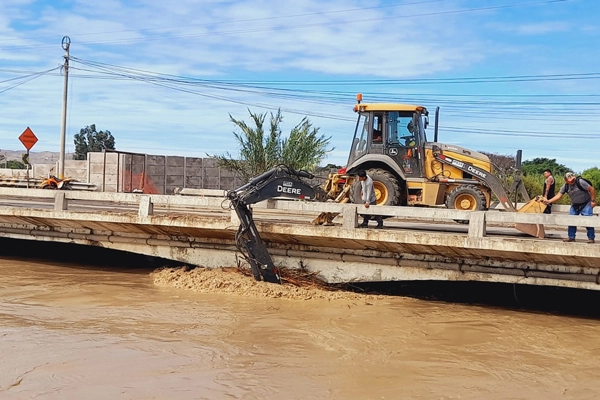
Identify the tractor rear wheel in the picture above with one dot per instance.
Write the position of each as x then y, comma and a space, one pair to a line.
385, 185
466, 198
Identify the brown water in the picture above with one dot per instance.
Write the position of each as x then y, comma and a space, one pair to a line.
76, 332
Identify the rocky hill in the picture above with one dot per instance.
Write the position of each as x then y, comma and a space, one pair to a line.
40, 157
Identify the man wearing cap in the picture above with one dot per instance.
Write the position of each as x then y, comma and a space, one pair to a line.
583, 201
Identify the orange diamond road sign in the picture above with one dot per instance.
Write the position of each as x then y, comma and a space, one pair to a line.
28, 138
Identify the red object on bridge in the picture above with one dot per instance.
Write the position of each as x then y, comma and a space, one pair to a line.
28, 138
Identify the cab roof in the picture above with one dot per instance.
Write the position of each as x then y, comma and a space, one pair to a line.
362, 107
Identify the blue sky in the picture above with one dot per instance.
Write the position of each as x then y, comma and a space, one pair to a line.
163, 77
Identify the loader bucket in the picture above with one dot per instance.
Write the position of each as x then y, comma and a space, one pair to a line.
534, 205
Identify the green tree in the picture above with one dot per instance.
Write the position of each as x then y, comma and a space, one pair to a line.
262, 150
90, 140
593, 175
332, 166
505, 169
538, 165
12, 164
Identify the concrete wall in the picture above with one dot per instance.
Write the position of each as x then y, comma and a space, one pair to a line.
156, 174
136, 172
73, 169
103, 172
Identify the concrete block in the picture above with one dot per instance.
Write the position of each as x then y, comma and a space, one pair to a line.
60, 202
225, 173
146, 207
271, 204
211, 183
350, 218
477, 224
135, 166
99, 157
193, 162
174, 161
76, 163
175, 180
110, 188
210, 163
235, 220
170, 189
153, 170
155, 160
227, 183
194, 170
194, 182
213, 172
100, 168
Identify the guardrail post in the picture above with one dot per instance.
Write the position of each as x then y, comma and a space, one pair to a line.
477, 224
146, 207
60, 201
350, 218
271, 204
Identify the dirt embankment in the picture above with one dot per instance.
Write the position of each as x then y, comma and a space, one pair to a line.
231, 280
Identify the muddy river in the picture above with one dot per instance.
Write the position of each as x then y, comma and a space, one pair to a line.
74, 331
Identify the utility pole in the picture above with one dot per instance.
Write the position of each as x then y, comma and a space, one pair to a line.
66, 42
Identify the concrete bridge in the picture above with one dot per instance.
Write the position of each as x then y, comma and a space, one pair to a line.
416, 244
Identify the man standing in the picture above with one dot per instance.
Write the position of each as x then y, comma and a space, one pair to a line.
549, 187
583, 201
368, 198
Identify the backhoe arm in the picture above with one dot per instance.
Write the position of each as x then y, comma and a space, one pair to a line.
281, 181
487, 178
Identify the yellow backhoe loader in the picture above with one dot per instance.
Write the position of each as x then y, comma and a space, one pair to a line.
391, 144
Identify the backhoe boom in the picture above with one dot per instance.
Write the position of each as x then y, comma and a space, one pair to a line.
281, 181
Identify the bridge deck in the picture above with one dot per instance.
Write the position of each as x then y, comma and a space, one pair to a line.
416, 244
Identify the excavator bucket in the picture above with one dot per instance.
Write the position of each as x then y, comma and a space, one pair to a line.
326, 218
337, 188
537, 206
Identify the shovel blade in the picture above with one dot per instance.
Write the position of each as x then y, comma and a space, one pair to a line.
535, 206
536, 230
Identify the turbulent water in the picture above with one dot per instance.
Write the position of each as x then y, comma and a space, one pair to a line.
81, 331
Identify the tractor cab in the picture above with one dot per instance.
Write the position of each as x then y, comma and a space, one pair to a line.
395, 132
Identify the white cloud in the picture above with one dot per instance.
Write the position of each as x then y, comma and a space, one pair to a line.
256, 41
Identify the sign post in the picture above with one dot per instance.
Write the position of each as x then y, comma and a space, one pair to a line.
28, 139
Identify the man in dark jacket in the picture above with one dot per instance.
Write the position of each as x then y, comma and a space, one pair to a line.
583, 201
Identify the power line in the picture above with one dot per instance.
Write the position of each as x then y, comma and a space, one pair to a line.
238, 86
21, 80
468, 106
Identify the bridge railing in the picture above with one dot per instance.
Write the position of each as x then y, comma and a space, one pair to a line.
348, 213
477, 220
